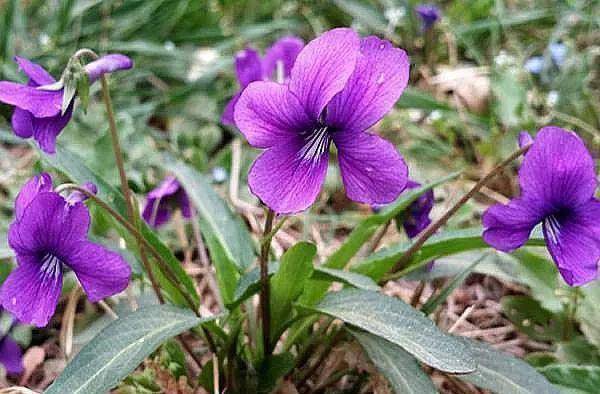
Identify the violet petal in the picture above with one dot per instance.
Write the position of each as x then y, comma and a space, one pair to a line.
107, 64
558, 169
268, 115
102, 273
283, 181
31, 291
284, 50
41, 103
323, 68
372, 169
379, 78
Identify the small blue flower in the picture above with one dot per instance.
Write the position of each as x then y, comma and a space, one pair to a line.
535, 64
558, 53
219, 174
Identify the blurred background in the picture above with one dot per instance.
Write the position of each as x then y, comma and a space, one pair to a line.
483, 72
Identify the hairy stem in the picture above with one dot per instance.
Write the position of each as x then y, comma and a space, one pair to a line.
265, 296
168, 271
434, 227
131, 212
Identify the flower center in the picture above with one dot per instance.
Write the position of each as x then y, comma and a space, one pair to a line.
316, 143
51, 267
552, 228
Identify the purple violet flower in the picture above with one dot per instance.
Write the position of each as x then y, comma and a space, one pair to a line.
38, 112
77, 196
249, 68
429, 14
524, 139
338, 88
162, 201
416, 218
48, 235
11, 356
558, 181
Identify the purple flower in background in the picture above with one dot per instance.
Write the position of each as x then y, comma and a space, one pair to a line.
558, 182
48, 235
250, 67
38, 112
338, 88
524, 139
162, 201
416, 218
11, 356
77, 196
429, 14
107, 64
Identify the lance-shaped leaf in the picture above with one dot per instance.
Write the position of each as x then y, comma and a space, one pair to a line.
227, 238
363, 232
585, 378
288, 282
399, 323
443, 244
400, 368
504, 374
120, 348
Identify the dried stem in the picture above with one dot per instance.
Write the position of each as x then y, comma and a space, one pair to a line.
434, 227
265, 301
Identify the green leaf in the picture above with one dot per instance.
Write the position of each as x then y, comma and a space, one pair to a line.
511, 19
400, 368
504, 374
415, 98
581, 377
443, 244
120, 348
577, 351
365, 14
433, 302
288, 282
533, 320
541, 275
362, 233
588, 312
272, 369
249, 284
510, 98
350, 278
397, 322
83, 91
74, 168
230, 245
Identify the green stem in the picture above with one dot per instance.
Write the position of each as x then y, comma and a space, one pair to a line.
168, 271
434, 227
131, 211
265, 296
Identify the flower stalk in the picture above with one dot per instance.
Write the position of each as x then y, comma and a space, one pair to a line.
133, 217
397, 269
133, 230
112, 126
265, 296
